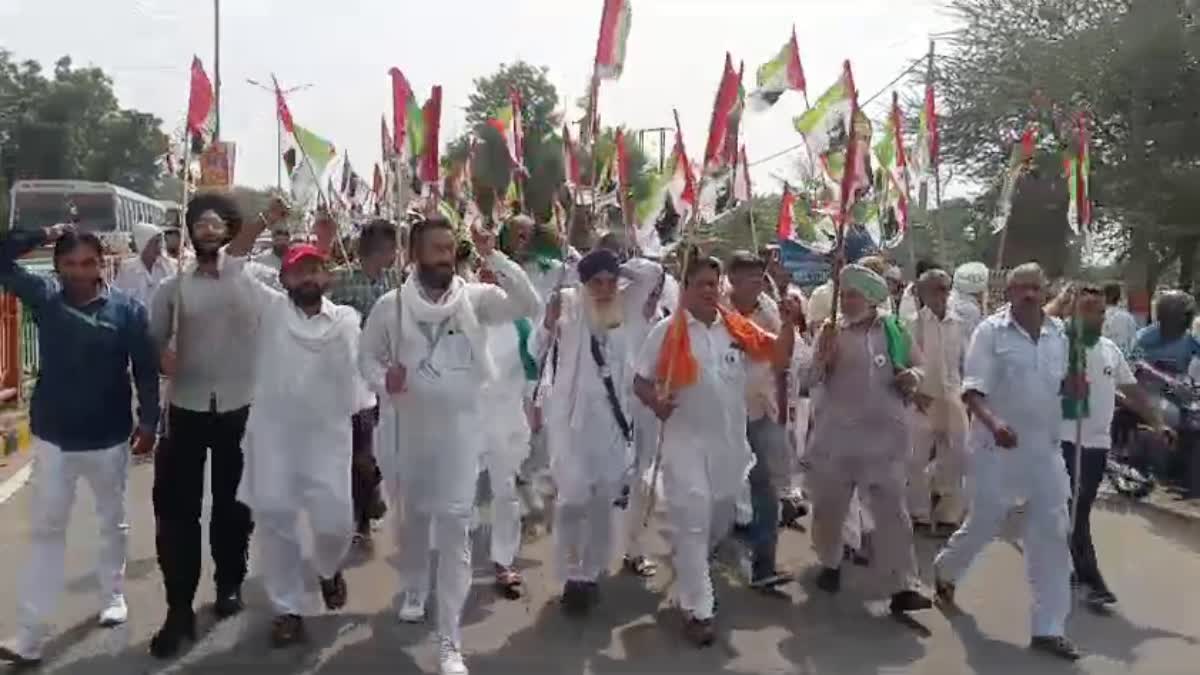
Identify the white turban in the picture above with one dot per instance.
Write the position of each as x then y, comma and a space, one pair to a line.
143, 234
971, 278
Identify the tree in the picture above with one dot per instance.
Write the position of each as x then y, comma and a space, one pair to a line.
1132, 68
69, 125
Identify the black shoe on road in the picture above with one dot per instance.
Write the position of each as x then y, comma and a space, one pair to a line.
1055, 645
229, 603
179, 626
830, 580
909, 601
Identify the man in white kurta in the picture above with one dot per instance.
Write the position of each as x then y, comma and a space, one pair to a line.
587, 414
939, 459
705, 453
298, 440
1012, 381
506, 442
140, 275
424, 352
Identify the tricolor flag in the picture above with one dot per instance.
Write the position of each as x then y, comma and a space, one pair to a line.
507, 121
716, 156
741, 178
614, 35
735, 119
1078, 169
925, 158
827, 124
407, 118
856, 176
780, 74
571, 173
200, 106
1018, 163
675, 182
622, 157
892, 184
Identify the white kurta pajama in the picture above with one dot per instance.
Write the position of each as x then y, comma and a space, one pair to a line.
942, 428
430, 437
1020, 380
507, 439
590, 458
706, 456
298, 441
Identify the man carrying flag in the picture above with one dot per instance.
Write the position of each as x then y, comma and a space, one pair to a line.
692, 373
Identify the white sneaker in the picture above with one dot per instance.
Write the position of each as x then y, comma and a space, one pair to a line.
412, 608
115, 613
450, 660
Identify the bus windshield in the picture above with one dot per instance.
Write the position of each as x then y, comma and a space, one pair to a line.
93, 212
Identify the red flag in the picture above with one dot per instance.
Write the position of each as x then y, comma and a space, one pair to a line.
285, 115
735, 120
787, 204
854, 175
570, 160
614, 32
795, 70
200, 100
683, 182
385, 140
432, 113
622, 161
401, 93
516, 138
741, 177
931, 125
715, 155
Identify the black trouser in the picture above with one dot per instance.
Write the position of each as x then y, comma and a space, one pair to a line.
365, 478
1083, 554
179, 493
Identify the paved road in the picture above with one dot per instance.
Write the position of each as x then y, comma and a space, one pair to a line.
1152, 562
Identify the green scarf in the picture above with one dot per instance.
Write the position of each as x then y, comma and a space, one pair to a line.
1081, 339
524, 329
898, 344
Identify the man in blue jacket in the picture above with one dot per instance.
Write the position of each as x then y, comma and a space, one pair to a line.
89, 335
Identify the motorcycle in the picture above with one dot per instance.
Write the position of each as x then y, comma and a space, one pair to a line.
1136, 466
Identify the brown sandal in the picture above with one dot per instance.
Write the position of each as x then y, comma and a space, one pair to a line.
509, 582
287, 630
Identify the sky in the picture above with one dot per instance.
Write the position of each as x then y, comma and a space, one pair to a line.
344, 49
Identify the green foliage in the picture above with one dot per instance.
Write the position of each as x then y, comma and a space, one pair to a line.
68, 124
1133, 67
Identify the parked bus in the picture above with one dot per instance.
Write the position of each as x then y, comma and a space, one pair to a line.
96, 207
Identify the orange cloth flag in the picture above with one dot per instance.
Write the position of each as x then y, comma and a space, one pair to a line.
677, 367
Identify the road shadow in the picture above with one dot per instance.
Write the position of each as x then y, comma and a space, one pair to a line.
135, 570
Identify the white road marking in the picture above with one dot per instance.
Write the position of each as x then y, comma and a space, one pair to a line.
15, 482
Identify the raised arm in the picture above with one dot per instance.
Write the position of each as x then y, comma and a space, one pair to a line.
32, 289
514, 298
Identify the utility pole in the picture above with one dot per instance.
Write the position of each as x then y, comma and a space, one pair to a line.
217, 68
278, 125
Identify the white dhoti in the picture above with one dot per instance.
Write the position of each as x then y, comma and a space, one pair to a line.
938, 466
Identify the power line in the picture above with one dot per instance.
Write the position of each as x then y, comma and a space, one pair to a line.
913, 66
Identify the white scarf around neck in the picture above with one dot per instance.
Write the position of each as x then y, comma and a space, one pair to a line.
454, 305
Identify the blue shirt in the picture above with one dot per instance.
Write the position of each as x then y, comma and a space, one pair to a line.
1172, 355
82, 397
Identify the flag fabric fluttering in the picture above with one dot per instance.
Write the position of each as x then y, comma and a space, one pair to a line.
571, 173
925, 156
892, 183
856, 176
781, 74
622, 159
507, 121
1077, 167
407, 118
200, 106
615, 23
785, 225
285, 114
741, 177
387, 144
431, 118
826, 124
733, 131
1018, 163
682, 185
716, 156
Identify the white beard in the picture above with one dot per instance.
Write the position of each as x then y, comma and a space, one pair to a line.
603, 317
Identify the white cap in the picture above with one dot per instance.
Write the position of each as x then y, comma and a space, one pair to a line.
143, 233
971, 278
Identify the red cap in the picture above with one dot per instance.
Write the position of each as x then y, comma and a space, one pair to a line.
301, 252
